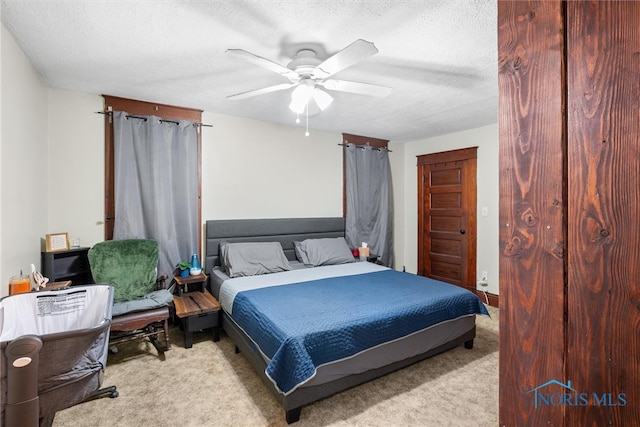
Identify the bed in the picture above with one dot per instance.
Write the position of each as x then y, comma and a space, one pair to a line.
313, 331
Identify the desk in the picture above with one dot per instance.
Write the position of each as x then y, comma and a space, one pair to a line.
182, 283
197, 310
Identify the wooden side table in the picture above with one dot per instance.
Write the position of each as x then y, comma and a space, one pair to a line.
197, 310
370, 258
182, 283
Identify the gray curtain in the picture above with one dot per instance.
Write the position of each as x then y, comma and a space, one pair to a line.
369, 200
156, 185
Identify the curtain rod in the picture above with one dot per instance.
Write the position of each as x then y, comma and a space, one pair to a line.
129, 116
110, 113
367, 145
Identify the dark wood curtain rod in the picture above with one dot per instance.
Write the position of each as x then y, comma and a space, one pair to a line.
110, 113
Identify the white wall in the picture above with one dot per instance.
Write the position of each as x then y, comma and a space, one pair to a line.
23, 163
486, 139
256, 169
76, 166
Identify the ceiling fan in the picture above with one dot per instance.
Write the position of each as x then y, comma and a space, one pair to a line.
308, 74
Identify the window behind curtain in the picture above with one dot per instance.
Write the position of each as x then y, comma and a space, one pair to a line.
170, 113
368, 206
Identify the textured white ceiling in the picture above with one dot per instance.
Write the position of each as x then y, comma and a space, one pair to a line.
438, 56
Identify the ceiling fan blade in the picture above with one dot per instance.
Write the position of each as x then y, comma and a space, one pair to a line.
350, 55
250, 93
265, 63
355, 87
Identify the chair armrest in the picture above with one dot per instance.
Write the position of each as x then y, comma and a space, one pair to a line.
161, 282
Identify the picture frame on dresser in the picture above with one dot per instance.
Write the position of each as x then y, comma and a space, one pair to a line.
57, 242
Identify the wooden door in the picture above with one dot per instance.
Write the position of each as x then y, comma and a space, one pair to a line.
447, 217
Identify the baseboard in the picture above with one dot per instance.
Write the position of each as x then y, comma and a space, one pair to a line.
494, 300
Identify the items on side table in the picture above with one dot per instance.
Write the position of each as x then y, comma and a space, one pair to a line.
195, 268
363, 252
19, 284
369, 258
33, 282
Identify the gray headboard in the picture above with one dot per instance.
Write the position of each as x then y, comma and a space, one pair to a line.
283, 230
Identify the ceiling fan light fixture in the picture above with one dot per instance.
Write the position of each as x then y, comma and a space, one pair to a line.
310, 74
300, 98
322, 98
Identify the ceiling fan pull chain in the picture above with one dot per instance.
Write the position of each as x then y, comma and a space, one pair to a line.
307, 132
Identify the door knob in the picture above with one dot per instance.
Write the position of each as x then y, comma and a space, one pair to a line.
462, 231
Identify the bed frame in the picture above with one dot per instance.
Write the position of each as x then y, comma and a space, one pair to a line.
285, 231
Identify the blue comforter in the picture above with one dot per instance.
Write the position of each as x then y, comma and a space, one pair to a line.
304, 325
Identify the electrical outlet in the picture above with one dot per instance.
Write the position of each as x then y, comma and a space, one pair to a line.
484, 276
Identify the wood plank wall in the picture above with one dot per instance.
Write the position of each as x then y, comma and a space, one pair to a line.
531, 134
603, 318
569, 120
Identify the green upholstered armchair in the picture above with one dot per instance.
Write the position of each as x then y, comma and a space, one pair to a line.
141, 302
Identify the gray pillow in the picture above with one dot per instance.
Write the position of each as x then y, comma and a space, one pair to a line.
253, 258
327, 251
301, 255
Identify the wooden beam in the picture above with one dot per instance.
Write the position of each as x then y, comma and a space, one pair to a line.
532, 224
603, 291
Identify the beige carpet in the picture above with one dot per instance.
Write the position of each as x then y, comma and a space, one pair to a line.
210, 385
